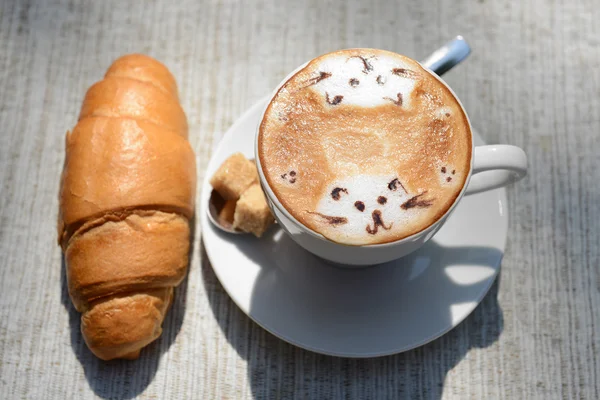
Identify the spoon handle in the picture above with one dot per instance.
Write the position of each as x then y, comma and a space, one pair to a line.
446, 57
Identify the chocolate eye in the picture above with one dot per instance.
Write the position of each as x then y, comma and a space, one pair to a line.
381, 200
292, 176
335, 100
360, 206
335, 193
394, 184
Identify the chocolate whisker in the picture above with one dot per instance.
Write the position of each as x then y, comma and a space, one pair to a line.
405, 73
415, 202
331, 220
317, 79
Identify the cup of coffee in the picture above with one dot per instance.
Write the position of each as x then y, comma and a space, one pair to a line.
364, 153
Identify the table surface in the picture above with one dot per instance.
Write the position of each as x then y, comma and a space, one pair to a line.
532, 81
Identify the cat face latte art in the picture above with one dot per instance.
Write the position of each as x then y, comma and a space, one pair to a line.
365, 146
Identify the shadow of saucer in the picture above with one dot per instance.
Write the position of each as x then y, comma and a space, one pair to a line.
125, 379
281, 370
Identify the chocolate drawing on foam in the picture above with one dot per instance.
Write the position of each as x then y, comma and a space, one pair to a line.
360, 206
405, 73
367, 68
393, 185
367, 65
335, 101
377, 222
335, 193
397, 102
292, 176
376, 215
317, 79
330, 219
417, 202
448, 178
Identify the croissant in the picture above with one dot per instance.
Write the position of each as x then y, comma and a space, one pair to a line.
126, 201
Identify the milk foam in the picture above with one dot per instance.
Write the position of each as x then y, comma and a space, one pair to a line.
361, 196
350, 166
365, 81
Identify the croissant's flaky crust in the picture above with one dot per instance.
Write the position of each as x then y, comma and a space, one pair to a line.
126, 200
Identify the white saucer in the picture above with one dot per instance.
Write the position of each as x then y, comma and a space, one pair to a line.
367, 312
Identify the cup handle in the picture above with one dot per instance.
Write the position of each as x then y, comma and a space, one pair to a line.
495, 166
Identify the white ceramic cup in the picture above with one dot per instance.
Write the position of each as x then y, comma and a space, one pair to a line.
492, 166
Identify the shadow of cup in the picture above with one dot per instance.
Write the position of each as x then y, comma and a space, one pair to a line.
297, 372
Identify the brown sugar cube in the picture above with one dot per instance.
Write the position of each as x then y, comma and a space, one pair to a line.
252, 213
234, 176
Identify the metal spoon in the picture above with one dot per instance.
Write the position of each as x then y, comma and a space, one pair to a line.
215, 205
440, 61
448, 56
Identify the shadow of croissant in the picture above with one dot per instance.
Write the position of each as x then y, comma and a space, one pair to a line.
125, 379
277, 369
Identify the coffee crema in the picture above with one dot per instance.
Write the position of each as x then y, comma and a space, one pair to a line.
365, 146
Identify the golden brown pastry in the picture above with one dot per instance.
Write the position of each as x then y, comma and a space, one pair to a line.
126, 200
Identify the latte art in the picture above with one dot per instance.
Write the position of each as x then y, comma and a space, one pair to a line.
365, 146
363, 81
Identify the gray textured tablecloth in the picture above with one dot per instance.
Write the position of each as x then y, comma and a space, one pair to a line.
533, 80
